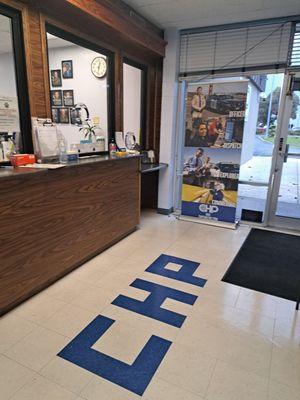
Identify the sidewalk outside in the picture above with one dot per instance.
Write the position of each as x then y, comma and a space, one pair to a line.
258, 170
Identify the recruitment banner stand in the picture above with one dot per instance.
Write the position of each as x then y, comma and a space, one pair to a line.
215, 115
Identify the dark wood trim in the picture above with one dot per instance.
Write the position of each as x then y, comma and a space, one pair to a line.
113, 27
133, 16
157, 100
77, 39
154, 107
44, 45
36, 63
144, 99
121, 23
118, 91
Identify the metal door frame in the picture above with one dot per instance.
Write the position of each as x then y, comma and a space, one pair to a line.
279, 155
285, 104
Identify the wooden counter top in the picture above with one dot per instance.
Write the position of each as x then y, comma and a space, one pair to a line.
52, 221
7, 172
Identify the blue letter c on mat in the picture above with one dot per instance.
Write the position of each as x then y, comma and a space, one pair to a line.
136, 377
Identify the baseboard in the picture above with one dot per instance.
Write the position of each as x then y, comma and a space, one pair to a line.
219, 224
165, 211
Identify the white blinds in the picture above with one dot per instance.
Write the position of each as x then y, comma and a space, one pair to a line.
295, 56
264, 46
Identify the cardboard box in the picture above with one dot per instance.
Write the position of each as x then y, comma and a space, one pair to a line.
22, 159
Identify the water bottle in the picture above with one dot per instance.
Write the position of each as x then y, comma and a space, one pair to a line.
63, 156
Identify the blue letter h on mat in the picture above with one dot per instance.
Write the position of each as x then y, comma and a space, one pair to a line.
151, 307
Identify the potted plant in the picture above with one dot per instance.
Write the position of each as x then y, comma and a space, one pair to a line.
89, 131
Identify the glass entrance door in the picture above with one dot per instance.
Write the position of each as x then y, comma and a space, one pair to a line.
284, 209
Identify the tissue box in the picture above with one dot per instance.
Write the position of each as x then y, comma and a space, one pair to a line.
22, 159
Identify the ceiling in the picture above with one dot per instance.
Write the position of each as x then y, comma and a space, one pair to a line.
183, 14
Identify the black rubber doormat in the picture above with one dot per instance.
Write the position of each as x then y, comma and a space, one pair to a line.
268, 262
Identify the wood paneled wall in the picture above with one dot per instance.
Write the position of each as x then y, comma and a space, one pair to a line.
105, 12
108, 24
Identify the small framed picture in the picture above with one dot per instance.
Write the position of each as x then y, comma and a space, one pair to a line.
64, 115
67, 69
55, 115
56, 77
68, 96
56, 98
75, 117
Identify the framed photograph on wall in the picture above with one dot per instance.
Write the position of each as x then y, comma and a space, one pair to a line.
75, 117
68, 96
55, 115
56, 77
56, 98
64, 115
67, 69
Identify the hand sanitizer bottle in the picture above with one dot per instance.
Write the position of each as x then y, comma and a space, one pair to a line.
112, 147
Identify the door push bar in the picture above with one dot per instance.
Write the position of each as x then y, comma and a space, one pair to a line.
285, 154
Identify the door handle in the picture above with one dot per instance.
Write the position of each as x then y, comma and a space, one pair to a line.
286, 153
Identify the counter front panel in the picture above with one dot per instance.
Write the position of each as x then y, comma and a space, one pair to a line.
53, 221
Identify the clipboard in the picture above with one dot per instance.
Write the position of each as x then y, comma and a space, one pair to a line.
45, 139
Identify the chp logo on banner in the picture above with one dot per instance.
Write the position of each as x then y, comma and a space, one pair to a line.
215, 116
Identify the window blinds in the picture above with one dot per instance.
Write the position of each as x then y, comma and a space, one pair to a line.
261, 46
295, 56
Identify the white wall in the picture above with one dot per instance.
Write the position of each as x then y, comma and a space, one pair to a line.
132, 89
168, 121
87, 88
7, 73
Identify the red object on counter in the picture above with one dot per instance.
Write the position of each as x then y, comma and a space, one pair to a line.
22, 159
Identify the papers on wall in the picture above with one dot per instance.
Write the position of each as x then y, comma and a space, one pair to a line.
9, 114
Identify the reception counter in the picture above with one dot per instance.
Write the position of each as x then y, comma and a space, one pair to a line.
52, 221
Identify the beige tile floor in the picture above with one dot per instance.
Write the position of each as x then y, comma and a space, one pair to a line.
236, 344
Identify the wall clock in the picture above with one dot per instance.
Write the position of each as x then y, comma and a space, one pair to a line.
99, 67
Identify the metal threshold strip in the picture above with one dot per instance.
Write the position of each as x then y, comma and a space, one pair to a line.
254, 183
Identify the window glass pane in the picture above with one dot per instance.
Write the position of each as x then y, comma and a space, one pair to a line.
288, 204
258, 143
9, 112
132, 100
78, 79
